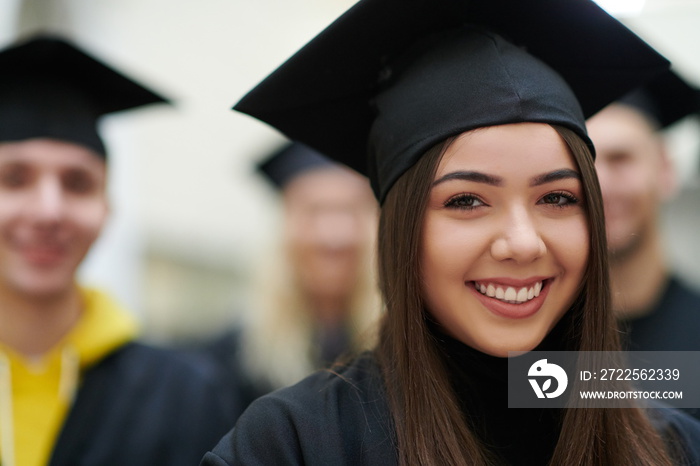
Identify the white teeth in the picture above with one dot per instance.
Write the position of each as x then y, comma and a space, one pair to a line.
510, 294
522, 295
491, 291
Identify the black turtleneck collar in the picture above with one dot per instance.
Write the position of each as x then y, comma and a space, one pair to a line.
516, 435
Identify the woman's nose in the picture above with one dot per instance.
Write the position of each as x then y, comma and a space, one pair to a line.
519, 239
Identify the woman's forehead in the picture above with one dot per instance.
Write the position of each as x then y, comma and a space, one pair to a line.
512, 150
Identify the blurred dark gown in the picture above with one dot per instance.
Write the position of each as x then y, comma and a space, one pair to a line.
144, 406
226, 350
672, 325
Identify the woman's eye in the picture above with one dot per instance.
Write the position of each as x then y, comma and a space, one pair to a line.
559, 199
464, 201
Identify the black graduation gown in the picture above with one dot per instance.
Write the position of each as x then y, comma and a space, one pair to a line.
226, 350
480, 381
672, 325
144, 406
329, 418
341, 418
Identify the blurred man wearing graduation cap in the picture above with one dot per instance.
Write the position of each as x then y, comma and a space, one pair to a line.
75, 388
659, 312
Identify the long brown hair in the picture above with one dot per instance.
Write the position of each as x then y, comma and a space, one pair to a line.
416, 380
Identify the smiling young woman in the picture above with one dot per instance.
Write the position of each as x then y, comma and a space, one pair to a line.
491, 235
569, 244
503, 223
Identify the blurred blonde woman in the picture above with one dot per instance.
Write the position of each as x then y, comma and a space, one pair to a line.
315, 294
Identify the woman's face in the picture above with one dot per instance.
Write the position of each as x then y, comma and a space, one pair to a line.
505, 237
330, 219
52, 208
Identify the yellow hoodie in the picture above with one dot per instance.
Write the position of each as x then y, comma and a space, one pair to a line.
35, 395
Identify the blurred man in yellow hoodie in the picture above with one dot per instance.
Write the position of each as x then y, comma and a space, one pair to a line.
75, 388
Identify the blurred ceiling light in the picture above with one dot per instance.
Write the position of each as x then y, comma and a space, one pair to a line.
622, 7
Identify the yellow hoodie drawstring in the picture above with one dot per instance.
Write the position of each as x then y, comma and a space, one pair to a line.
103, 327
67, 387
70, 372
7, 437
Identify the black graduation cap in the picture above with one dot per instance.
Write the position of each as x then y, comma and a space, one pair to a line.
665, 100
391, 78
50, 88
290, 161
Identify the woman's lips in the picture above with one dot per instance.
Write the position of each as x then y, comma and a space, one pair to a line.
515, 302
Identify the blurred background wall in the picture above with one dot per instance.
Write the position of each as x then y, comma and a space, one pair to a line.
189, 215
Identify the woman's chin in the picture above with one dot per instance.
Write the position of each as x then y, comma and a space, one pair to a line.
509, 350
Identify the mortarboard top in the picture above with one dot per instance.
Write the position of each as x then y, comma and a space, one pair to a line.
50, 88
391, 78
664, 100
290, 161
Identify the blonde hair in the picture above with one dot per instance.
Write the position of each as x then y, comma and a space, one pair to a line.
278, 339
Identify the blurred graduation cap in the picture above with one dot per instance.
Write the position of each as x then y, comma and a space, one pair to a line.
665, 100
49, 88
391, 78
290, 161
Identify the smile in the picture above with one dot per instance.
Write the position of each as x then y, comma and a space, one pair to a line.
510, 298
509, 294
43, 255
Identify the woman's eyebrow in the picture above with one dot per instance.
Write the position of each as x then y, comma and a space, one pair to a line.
555, 175
476, 177
492, 180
